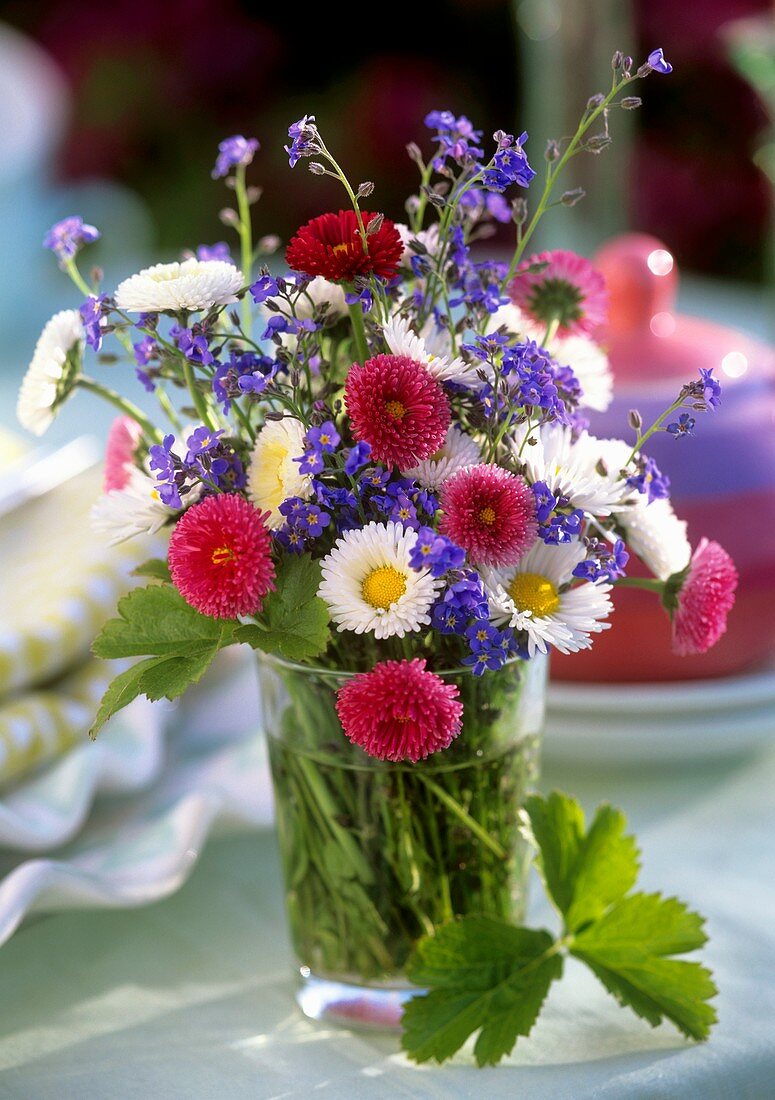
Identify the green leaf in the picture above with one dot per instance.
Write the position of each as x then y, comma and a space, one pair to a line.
156, 677
157, 568
483, 975
157, 620
627, 949
294, 620
585, 872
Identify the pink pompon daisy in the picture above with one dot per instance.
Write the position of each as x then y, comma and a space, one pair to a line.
568, 290
123, 437
400, 711
704, 600
490, 513
398, 408
220, 557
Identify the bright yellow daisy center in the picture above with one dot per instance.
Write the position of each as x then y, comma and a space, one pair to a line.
396, 409
382, 587
534, 592
487, 516
339, 248
221, 555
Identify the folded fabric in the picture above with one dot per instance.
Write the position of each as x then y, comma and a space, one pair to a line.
40, 725
58, 583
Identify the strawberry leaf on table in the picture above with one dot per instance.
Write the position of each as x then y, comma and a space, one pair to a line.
484, 975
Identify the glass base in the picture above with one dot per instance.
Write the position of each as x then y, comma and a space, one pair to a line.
347, 1004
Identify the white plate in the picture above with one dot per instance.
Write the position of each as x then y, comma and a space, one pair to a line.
697, 696
609, 738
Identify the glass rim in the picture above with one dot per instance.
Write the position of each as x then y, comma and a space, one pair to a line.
273, 659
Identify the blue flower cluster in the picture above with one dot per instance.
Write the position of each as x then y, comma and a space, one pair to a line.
320, 440
464, 609
510, 164
535, 380
558, 522
232, 152
92, 312
603, 561
303, 135
457, 139
65, 238
650, 480
303, 522
435, 552
209, 461
246, 373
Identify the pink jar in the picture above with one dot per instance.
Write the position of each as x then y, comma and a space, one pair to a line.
723, 477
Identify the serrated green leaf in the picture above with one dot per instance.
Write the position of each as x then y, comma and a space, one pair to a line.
557, 826
157, 621
661, 926
294, 620
657, 989
157, 568
483, 975
164, 677
585, 872
627, 950
607, 868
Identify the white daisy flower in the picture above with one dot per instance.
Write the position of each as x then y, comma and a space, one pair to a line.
590, 364
428, 237
192, 284
318, 291
570, 468
656, 534
272, 474
515, 322
369, 584
401, 340
532, 597
53, 372
136, 509
458, 451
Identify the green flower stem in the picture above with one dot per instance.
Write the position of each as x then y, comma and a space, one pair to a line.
359, 331
71, 268
465, 817
121, 403
677, 404
351, 194
647, 583
554, 171
246, 241
419, 215
197, 396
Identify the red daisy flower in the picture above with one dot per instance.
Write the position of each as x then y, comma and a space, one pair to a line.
400, 711
490, 513
332, 246
220, 557
705, 599
123, 437
398, 408
567, 289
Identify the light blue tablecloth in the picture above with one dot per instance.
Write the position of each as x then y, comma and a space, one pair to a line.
193, 997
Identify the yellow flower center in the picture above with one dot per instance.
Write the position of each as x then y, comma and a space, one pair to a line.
534, 592
487, 516
396, 410
383, 587
338, 248
221, 555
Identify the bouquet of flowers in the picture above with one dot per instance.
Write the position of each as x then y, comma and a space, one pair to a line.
376, 471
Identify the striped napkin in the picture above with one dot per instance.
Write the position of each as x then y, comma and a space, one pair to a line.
59, 582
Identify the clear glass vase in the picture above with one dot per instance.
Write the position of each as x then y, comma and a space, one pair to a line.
374, 854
